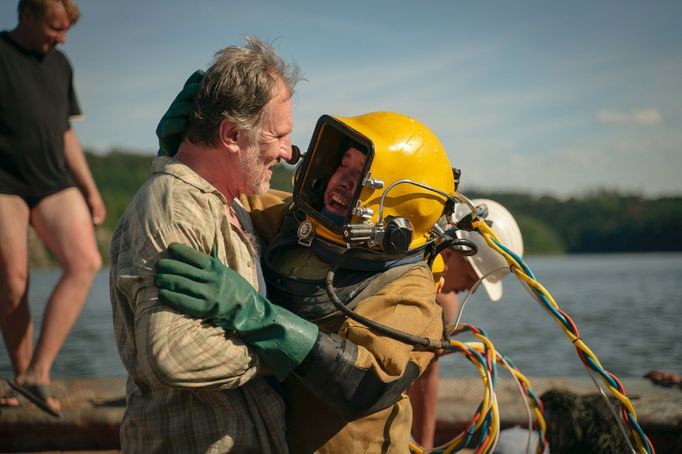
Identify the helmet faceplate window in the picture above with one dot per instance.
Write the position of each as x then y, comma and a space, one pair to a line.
328, 155
406, 174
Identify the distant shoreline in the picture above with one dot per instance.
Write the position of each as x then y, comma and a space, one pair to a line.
596, 222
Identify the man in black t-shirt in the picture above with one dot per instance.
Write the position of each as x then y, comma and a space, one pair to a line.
45, 182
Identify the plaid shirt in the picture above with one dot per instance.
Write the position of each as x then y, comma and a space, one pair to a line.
190, 387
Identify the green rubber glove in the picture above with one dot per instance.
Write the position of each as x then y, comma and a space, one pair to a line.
194, 283
172, 125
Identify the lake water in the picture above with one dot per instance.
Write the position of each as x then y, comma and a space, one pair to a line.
628, 308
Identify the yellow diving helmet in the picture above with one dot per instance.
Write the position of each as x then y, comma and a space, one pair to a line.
402, 191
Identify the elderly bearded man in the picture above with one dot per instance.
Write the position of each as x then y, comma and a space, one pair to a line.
191, 387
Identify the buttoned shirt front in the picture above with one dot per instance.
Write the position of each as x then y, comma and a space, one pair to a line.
191, 387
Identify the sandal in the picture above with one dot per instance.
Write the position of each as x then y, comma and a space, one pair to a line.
38, 394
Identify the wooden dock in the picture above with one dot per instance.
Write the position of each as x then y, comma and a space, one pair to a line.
92, 409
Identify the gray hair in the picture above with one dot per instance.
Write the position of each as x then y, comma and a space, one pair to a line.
238, 85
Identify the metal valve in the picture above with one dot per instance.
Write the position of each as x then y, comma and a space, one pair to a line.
373, 183
354, 233
394, 237
362, 212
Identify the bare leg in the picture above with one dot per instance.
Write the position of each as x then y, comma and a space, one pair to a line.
63, 221
15, 318
423, 396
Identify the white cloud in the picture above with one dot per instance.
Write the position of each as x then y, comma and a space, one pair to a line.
644, 117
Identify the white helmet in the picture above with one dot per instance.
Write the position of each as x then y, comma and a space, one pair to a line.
486, 260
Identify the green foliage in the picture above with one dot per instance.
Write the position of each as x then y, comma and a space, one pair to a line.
282, 177
538, 237
118, 175
601, 221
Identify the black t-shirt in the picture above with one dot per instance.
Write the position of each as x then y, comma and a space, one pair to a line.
37, 98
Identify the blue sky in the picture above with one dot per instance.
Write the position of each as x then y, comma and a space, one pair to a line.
548, 97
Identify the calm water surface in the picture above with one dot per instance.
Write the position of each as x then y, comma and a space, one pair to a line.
628, 308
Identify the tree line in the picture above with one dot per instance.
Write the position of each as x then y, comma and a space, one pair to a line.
596, 222
601, 221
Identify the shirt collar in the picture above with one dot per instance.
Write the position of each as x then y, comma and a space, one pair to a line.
171, 166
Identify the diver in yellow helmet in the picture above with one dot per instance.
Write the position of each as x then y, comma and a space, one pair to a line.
357, 239
372, 223
404, 185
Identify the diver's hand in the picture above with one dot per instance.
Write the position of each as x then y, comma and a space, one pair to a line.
171, 128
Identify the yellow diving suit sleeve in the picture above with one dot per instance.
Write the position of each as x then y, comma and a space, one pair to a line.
267, 211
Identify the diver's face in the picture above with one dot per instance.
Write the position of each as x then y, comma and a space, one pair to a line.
338, 195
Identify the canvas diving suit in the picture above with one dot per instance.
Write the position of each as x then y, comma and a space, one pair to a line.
351, 397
